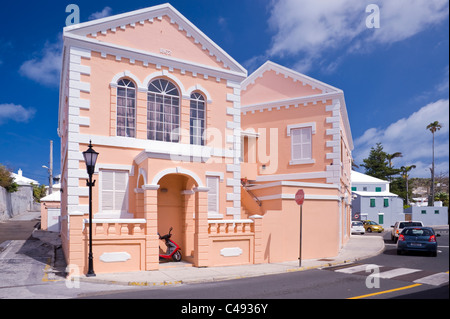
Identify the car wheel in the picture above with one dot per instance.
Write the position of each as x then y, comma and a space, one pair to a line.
434, 254
369, 230
399, 252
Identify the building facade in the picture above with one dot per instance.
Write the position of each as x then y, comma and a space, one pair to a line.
164, 107
373, 201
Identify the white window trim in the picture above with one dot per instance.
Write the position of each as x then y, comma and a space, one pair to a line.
312, 125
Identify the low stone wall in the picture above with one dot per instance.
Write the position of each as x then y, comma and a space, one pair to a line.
13, 204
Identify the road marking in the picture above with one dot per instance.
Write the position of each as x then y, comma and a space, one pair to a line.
351, 270
406, 274
385, 291
435, 279
47, 269
395, 272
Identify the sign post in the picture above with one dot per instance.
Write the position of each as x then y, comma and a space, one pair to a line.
299, 199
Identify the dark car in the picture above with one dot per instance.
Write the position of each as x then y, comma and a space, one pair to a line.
417, 239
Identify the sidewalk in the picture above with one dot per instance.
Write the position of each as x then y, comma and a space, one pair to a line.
358, 247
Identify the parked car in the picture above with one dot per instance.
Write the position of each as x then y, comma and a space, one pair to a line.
357, 227
371, 226
398, 227
417, 239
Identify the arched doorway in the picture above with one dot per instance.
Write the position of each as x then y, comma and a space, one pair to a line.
176, 207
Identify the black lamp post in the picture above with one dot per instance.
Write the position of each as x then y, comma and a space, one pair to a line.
90, 158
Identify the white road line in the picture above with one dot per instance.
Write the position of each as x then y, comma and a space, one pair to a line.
353, 269
395, 272
435, 279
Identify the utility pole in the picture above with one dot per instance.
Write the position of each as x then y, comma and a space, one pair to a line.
50, 170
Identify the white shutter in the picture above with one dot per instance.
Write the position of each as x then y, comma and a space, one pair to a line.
212, 182
120, 187
107, 190
301, 143
114, 186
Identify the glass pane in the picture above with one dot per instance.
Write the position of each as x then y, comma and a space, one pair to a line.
121, 111
130, 93
121, 91
121, 101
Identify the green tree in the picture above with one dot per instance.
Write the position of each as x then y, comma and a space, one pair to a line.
390, 157
433, 127
7, 181
377, 164
38, 192
442, 196
404, 171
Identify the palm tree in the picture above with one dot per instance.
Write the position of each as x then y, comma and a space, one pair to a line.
405, 170
433, 127
390, 157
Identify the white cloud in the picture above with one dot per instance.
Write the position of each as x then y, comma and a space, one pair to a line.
107, 11
309, 29
45, 68
410, 137
16, 113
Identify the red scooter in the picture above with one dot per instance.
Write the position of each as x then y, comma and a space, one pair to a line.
173, 250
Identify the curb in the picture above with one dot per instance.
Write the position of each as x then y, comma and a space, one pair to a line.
229, 277
5, 245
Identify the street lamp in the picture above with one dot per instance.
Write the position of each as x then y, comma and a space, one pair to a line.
90, 158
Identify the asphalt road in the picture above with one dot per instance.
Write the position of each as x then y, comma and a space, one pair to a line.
328, 283
16, 229
287, 288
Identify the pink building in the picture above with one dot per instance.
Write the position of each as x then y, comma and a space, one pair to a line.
188, 140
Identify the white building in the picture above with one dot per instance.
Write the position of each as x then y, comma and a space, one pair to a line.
22, 180
372, 200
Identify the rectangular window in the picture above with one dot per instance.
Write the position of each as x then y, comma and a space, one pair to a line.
212, 182
301, 147
436, 211
372, 202
378, 189
114, 186
424, 212
386, 202
381, 219
353, 189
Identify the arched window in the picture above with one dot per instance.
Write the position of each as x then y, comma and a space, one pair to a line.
163, 111
197, 118
126, 108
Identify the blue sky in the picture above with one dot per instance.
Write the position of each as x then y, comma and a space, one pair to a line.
395, 77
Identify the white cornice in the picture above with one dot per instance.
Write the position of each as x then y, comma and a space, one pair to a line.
294, 101
149, 14
149, 57
296, 76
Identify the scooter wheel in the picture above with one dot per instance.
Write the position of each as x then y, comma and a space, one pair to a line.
177, 256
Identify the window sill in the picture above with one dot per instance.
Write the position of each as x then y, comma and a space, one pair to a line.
303, 161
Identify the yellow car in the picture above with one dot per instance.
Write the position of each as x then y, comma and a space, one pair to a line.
370, 226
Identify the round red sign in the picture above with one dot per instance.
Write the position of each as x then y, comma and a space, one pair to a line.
300, 197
